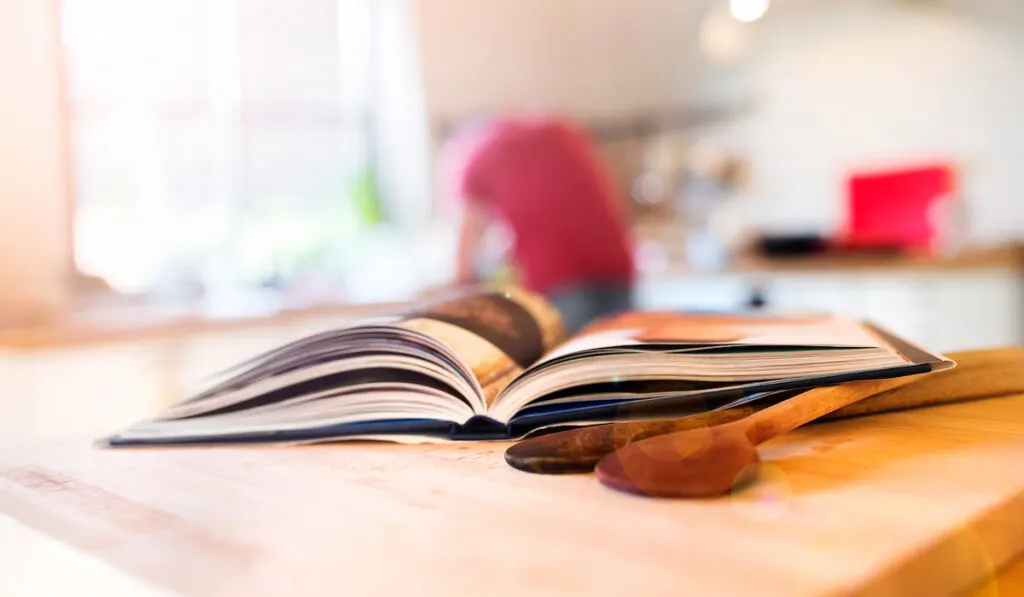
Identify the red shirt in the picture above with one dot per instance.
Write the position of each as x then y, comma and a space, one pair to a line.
544, 178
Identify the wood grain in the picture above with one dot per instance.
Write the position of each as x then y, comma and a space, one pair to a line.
1008, 583
924, 502
979, 374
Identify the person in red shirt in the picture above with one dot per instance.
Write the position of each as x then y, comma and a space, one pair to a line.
543, 178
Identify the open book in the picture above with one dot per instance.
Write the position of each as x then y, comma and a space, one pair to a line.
495, 365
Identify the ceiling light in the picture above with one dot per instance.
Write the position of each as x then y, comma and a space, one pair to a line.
748, 11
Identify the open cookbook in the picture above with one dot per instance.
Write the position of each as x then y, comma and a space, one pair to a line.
494, 364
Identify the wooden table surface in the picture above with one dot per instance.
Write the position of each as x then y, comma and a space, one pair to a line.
927, 502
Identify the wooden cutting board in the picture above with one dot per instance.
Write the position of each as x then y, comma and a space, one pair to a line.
927, 502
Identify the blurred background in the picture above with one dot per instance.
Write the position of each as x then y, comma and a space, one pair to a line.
186, 182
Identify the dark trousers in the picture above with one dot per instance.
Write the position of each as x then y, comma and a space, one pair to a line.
580, 304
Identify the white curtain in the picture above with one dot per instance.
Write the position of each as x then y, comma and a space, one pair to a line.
401, 132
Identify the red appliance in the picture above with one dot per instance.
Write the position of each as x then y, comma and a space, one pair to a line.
893, 209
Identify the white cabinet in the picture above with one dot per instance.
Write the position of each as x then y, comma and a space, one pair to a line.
941, 309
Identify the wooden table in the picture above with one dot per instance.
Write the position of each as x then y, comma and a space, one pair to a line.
928, 502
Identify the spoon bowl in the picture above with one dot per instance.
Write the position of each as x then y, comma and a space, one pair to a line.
700, 463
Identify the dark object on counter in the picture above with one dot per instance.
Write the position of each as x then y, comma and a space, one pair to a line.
758, 299
792, 246
812, 245
979, 374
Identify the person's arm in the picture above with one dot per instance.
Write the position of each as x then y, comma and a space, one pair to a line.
463, 184
473, 223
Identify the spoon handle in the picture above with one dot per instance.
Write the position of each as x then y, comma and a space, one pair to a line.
787, 415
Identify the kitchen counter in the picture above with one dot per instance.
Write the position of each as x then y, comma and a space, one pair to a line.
924, 502
1004, 258
132, 323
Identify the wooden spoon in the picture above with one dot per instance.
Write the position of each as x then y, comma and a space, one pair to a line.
979, 374
711, 461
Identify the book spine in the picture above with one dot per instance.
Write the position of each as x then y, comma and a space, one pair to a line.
481, 428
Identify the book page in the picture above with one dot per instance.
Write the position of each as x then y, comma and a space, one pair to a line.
497, 334
663, 327
700, 353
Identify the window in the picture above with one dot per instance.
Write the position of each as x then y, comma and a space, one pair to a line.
219, 143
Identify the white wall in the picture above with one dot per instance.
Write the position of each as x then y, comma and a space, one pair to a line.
34, 237
839, 85
588, 57
859, 84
